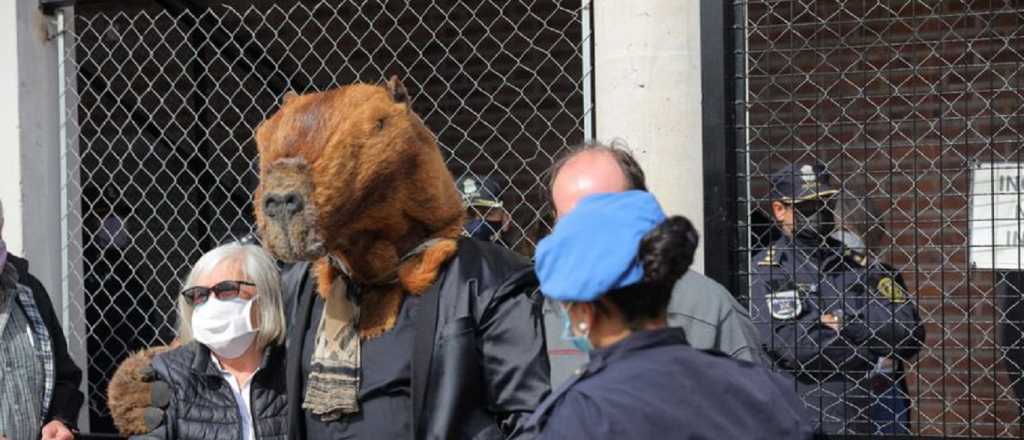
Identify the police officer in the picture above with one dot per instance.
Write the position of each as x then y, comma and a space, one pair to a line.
840, 323
611, 263
486, 217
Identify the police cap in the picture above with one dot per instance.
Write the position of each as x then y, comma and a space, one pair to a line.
480, 191
801, 182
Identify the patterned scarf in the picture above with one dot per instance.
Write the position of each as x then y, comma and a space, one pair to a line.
333, 385
332, 388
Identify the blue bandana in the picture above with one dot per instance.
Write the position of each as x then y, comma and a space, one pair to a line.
593, 249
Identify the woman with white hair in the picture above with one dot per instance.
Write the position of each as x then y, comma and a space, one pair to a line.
226, 378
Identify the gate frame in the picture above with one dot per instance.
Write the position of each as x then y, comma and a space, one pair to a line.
720, 154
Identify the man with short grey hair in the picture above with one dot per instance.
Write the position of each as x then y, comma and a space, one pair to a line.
39, 395
710, 316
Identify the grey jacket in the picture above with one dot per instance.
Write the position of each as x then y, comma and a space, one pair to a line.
713, 319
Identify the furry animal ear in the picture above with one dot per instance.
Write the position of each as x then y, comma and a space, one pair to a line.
397, 90
288, 97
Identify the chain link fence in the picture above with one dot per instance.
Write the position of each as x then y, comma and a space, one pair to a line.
910, 104
162, 98
903, 100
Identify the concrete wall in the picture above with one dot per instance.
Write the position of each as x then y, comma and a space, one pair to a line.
647, 92
30, 182
10, 149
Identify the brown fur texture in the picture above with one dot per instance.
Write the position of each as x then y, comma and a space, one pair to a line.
372, 186
128, 395
369, 185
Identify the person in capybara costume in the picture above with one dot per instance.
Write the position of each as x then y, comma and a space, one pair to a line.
398, 328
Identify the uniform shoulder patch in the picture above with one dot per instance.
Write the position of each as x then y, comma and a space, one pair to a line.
785, 305
892, 290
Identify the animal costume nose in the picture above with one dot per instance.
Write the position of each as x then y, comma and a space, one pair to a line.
282, 206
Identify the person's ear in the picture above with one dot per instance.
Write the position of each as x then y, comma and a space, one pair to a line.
254, 315
779, 210
582, 316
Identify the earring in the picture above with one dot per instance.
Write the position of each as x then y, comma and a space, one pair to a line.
582, 327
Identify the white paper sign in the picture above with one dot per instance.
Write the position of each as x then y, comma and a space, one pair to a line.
997, 215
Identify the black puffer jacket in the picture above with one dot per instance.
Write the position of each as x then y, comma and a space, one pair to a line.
203, 405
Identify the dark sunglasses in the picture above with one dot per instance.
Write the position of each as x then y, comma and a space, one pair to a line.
224, 291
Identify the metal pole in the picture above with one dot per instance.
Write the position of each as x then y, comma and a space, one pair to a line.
73, 324
62, 133
745, 117
588, 71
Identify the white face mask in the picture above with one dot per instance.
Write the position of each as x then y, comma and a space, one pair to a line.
224, 326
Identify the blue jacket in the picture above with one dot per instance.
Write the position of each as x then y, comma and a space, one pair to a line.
653, 385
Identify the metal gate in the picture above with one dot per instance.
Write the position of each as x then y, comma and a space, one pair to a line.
907, 103
162, 98
903, 100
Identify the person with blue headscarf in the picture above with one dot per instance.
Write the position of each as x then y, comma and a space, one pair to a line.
610, 264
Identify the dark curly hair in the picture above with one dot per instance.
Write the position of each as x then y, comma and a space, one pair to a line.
666, 253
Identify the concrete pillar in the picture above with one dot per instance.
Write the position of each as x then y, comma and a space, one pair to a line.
647, 91
29, 136
31, 105
10, 149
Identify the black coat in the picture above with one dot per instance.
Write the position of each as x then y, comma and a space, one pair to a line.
652, 385
203, 405
67, 400
479, 358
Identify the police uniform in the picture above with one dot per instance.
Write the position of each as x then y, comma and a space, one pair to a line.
794, 283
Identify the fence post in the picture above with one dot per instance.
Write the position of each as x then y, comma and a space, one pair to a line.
718, 86
73, 272
648, 92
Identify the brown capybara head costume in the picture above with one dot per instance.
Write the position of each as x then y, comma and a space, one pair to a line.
352, 179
